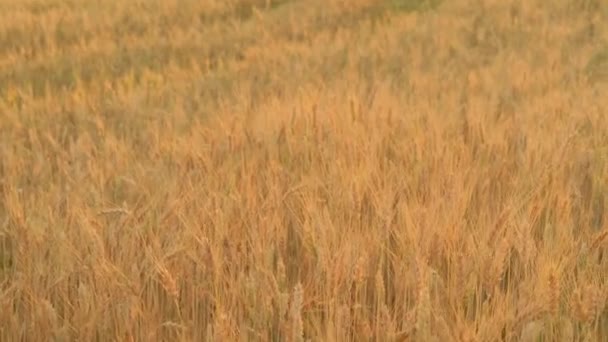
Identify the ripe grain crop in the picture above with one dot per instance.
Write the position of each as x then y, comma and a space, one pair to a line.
303, 170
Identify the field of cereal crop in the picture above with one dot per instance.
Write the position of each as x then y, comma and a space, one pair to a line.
303, 170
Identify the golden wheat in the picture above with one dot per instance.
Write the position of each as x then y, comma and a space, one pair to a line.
281, 170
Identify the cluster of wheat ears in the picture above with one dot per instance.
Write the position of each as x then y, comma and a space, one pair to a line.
303, 170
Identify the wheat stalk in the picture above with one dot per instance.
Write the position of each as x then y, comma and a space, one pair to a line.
295, 314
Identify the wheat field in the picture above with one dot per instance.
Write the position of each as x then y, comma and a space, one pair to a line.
303, 170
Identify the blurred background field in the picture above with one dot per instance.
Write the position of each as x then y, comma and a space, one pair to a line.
294, 170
